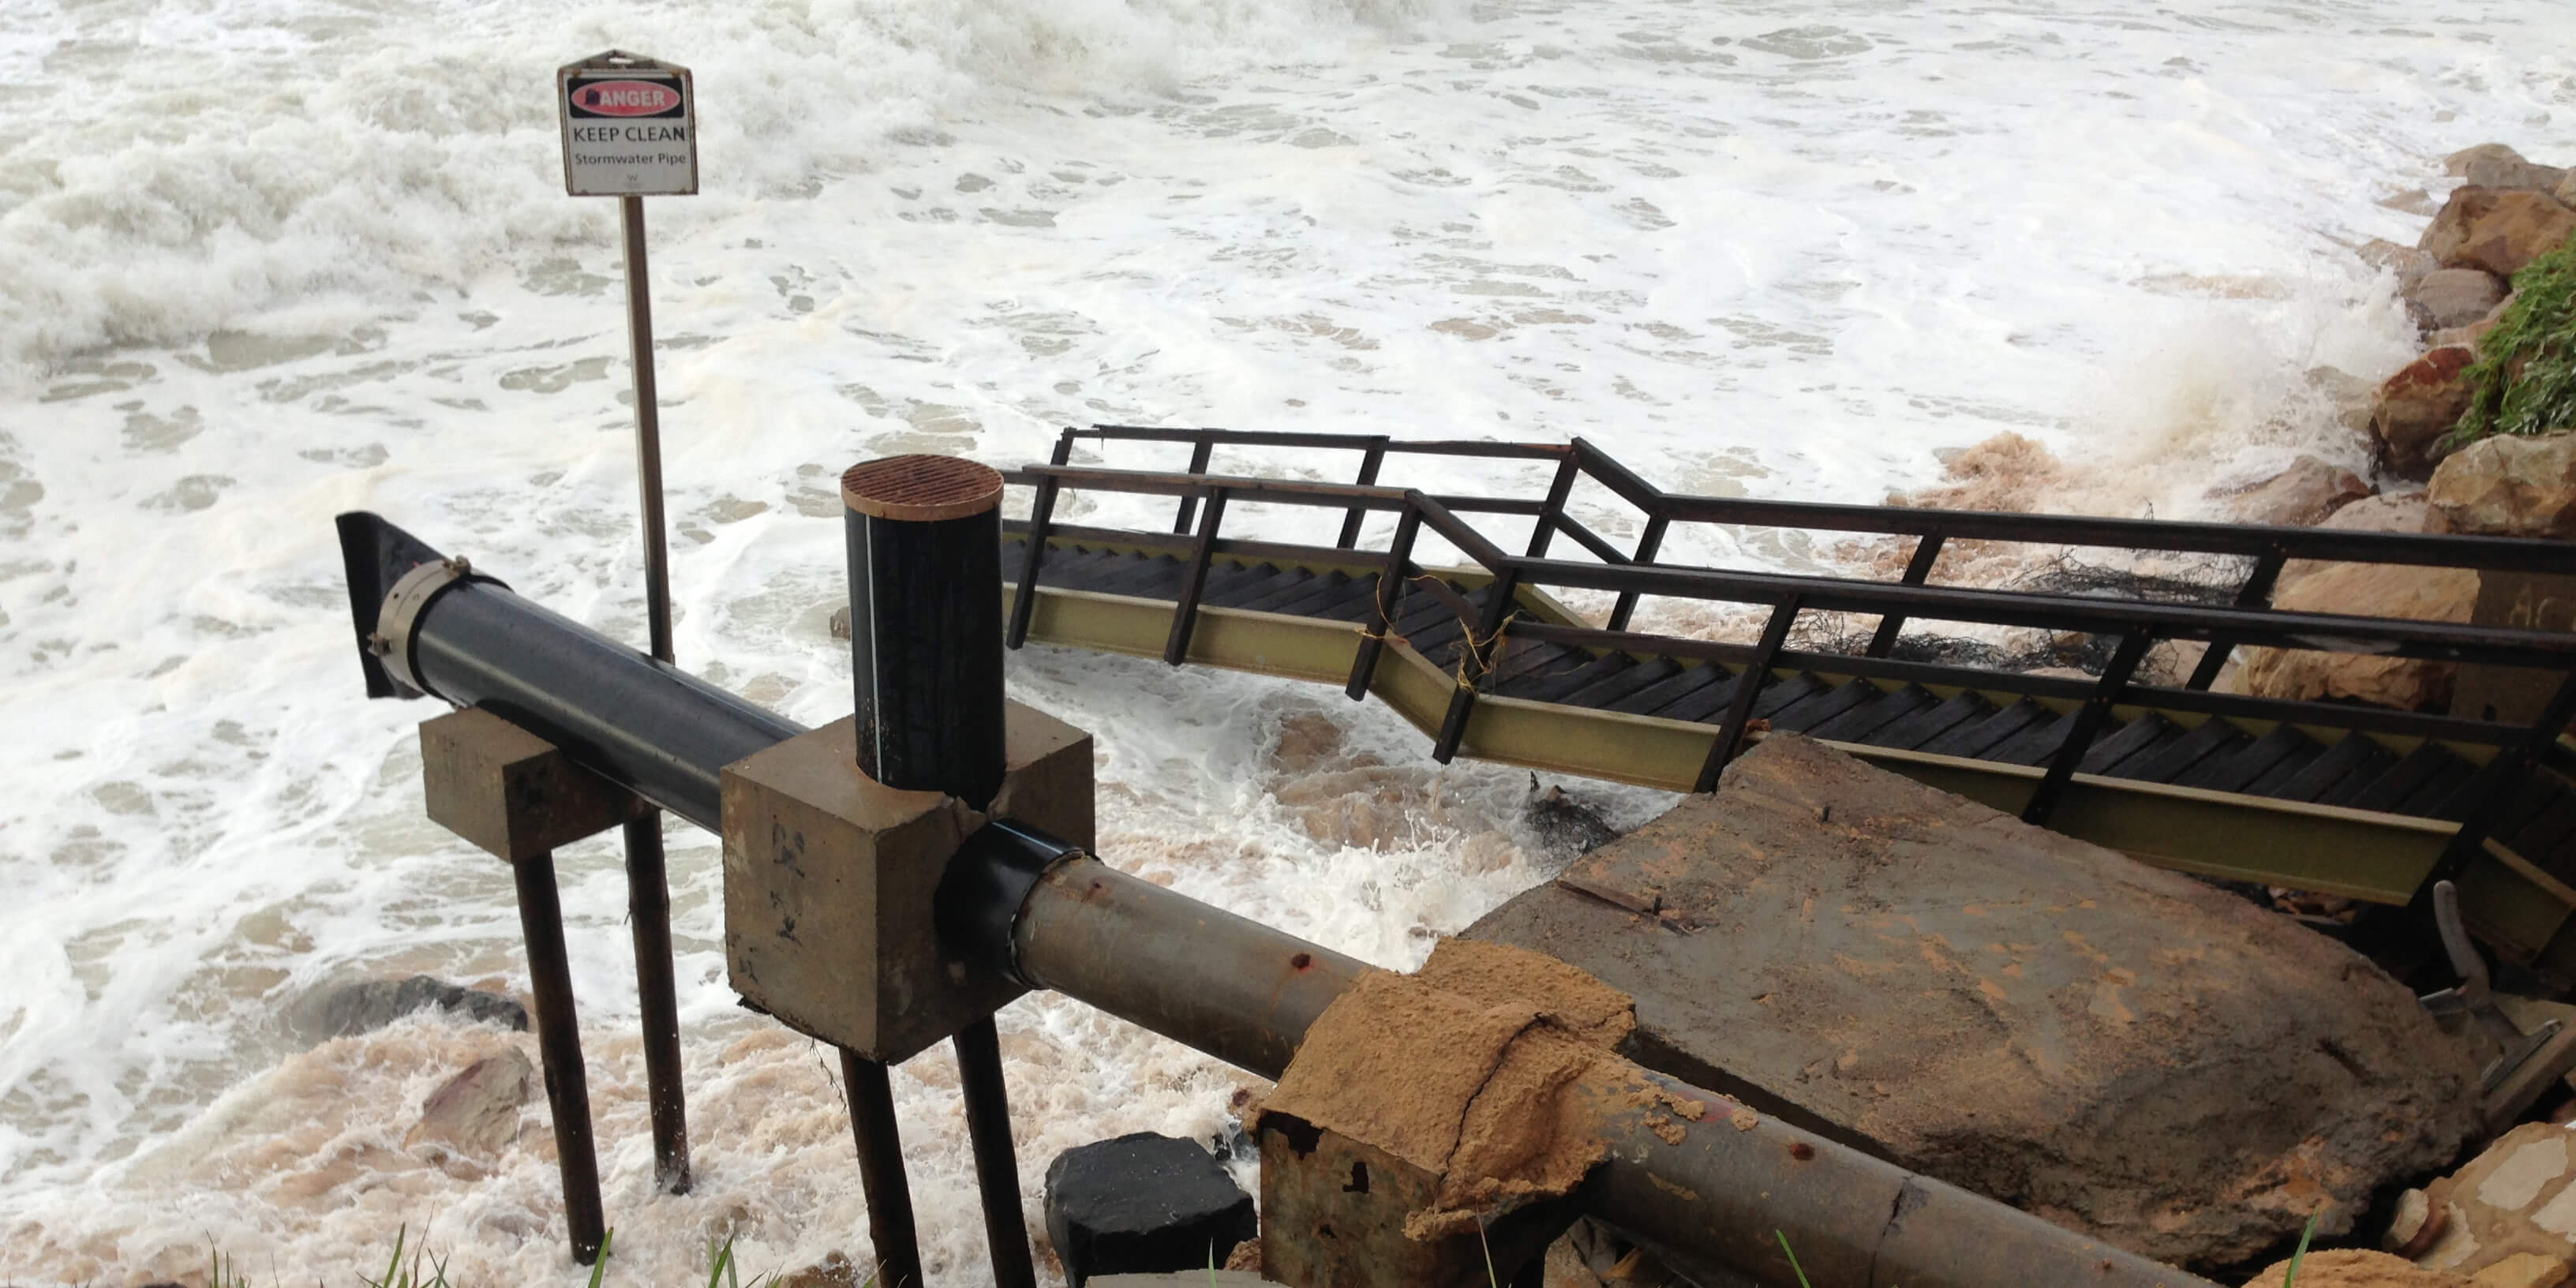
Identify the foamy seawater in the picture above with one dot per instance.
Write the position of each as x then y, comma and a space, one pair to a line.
262, 261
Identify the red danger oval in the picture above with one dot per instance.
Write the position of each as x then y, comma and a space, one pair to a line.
624, 97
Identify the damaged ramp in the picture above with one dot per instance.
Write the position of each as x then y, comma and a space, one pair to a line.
2123, 1050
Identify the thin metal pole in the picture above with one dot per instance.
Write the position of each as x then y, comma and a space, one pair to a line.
648, 427
881, 1176
648, 913
997, 1168
559, 1049
648, 890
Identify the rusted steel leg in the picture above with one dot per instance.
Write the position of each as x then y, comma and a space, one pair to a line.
559, 1050
881, 1175
997, 1168
648, 914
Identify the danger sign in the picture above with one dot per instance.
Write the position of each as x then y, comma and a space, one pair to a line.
629, 127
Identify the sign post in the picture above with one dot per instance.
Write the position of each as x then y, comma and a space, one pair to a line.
630, 131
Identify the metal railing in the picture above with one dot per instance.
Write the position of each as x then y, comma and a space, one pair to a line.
2134, 624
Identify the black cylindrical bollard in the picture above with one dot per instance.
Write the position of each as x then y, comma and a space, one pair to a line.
925, 542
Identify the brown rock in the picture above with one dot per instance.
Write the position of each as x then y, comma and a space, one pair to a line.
2458, 163
478, 1110
2349, 1268
2452, 297
2375, 590
2497, 172
2156, 1063
2515, 1200
2417, 407
2497, 229
2299, 496
2508, 486
2566, 192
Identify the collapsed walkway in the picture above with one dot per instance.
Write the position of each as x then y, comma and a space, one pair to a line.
2363, 802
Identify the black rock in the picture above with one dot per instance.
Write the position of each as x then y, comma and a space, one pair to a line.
374, 1003
1143, 1203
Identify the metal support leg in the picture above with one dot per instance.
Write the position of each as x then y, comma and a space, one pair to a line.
881, 1172
559, 1049
648, 914
997, 1168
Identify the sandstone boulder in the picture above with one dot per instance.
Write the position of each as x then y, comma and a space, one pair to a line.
2299, 496
2123, 1050
2457, 164
2508, 486
2497, 229
2349, 1268
2385, 512
2518, 1199
2375, 590
2417, 407
2450, 297
477, 1110
2566, 192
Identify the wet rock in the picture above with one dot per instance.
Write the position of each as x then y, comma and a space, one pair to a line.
2471, 335
2351, 1268
840, 623
2156, 1063
833, 1271
2417, 407
2299, 496
2457, 164
2451, 297
2409, 263
1308, 740
342, 1010
2497, 229
2516, 1199
477, 1110
2508, 486
2500, 172
2377, 590
1142, 1202
1565, 826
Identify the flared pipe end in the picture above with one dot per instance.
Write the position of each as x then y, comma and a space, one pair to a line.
374, 555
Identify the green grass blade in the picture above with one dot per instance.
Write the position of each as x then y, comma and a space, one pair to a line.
2301, 1254
1792, 1255
599, 1264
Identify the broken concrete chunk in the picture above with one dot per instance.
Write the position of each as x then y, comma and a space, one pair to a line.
2518, 1197
2125, 1051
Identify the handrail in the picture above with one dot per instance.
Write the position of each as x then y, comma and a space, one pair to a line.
2260, 625
2491, 554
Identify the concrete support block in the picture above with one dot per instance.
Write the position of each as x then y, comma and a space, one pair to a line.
1143, 1203
511, 792
830, 876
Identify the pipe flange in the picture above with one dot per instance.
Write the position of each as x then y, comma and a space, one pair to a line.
398, 620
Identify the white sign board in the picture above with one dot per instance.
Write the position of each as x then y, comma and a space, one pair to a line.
630, 127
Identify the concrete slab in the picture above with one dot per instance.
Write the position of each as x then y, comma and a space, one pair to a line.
2123, 1050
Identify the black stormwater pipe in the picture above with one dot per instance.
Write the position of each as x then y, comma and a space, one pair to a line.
1237, 990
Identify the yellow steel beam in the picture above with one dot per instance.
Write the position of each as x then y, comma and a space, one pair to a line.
2359, 854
